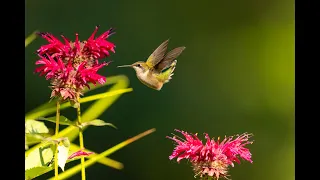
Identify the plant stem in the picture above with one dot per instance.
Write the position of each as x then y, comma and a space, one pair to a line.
83, 170
56, 170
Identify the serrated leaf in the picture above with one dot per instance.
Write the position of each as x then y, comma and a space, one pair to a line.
36, 171
62, 121
35, 127
97, 122
40, 156
62, 155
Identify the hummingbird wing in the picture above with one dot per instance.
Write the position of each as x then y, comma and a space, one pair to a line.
157, 54
169, 58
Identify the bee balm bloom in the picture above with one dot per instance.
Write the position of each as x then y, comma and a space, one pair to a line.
213, 158
72, 65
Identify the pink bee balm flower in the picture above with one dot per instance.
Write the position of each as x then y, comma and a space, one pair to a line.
213, 158
91, 49
72, 65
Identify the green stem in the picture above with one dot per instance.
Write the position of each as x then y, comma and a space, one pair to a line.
56, 170
83, 170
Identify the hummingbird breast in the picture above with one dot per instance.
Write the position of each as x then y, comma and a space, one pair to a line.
150, 80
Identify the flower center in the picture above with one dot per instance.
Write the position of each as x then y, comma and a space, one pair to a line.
216, 169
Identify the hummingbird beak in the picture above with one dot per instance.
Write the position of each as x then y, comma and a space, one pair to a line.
125, 66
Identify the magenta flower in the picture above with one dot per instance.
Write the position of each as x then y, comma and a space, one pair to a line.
213, 158
72, 65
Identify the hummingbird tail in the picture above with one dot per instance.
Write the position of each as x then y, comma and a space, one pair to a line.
171, 69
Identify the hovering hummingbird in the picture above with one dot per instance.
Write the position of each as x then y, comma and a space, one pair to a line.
151, 73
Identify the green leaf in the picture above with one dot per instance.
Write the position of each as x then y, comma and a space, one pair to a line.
30, 38
62, 155
36, 171
35, 127
36, 138
62, 121
97, 122
33, 138
40, 156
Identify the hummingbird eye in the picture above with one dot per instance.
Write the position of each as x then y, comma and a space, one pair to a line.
138, 65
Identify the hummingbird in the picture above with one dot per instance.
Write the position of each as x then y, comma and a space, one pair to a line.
158, 68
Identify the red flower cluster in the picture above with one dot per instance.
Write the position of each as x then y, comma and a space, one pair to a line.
212, 158
72, 65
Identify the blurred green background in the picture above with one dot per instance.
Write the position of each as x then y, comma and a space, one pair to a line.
236, 75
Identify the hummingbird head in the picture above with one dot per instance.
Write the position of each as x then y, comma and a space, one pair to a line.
139, 67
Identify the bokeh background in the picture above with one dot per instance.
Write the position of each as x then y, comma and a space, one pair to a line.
236, 75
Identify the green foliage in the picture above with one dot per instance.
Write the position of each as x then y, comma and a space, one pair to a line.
36, 162
97, 122
35, 132
34, 138
62, 121
65, 121
35, 127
